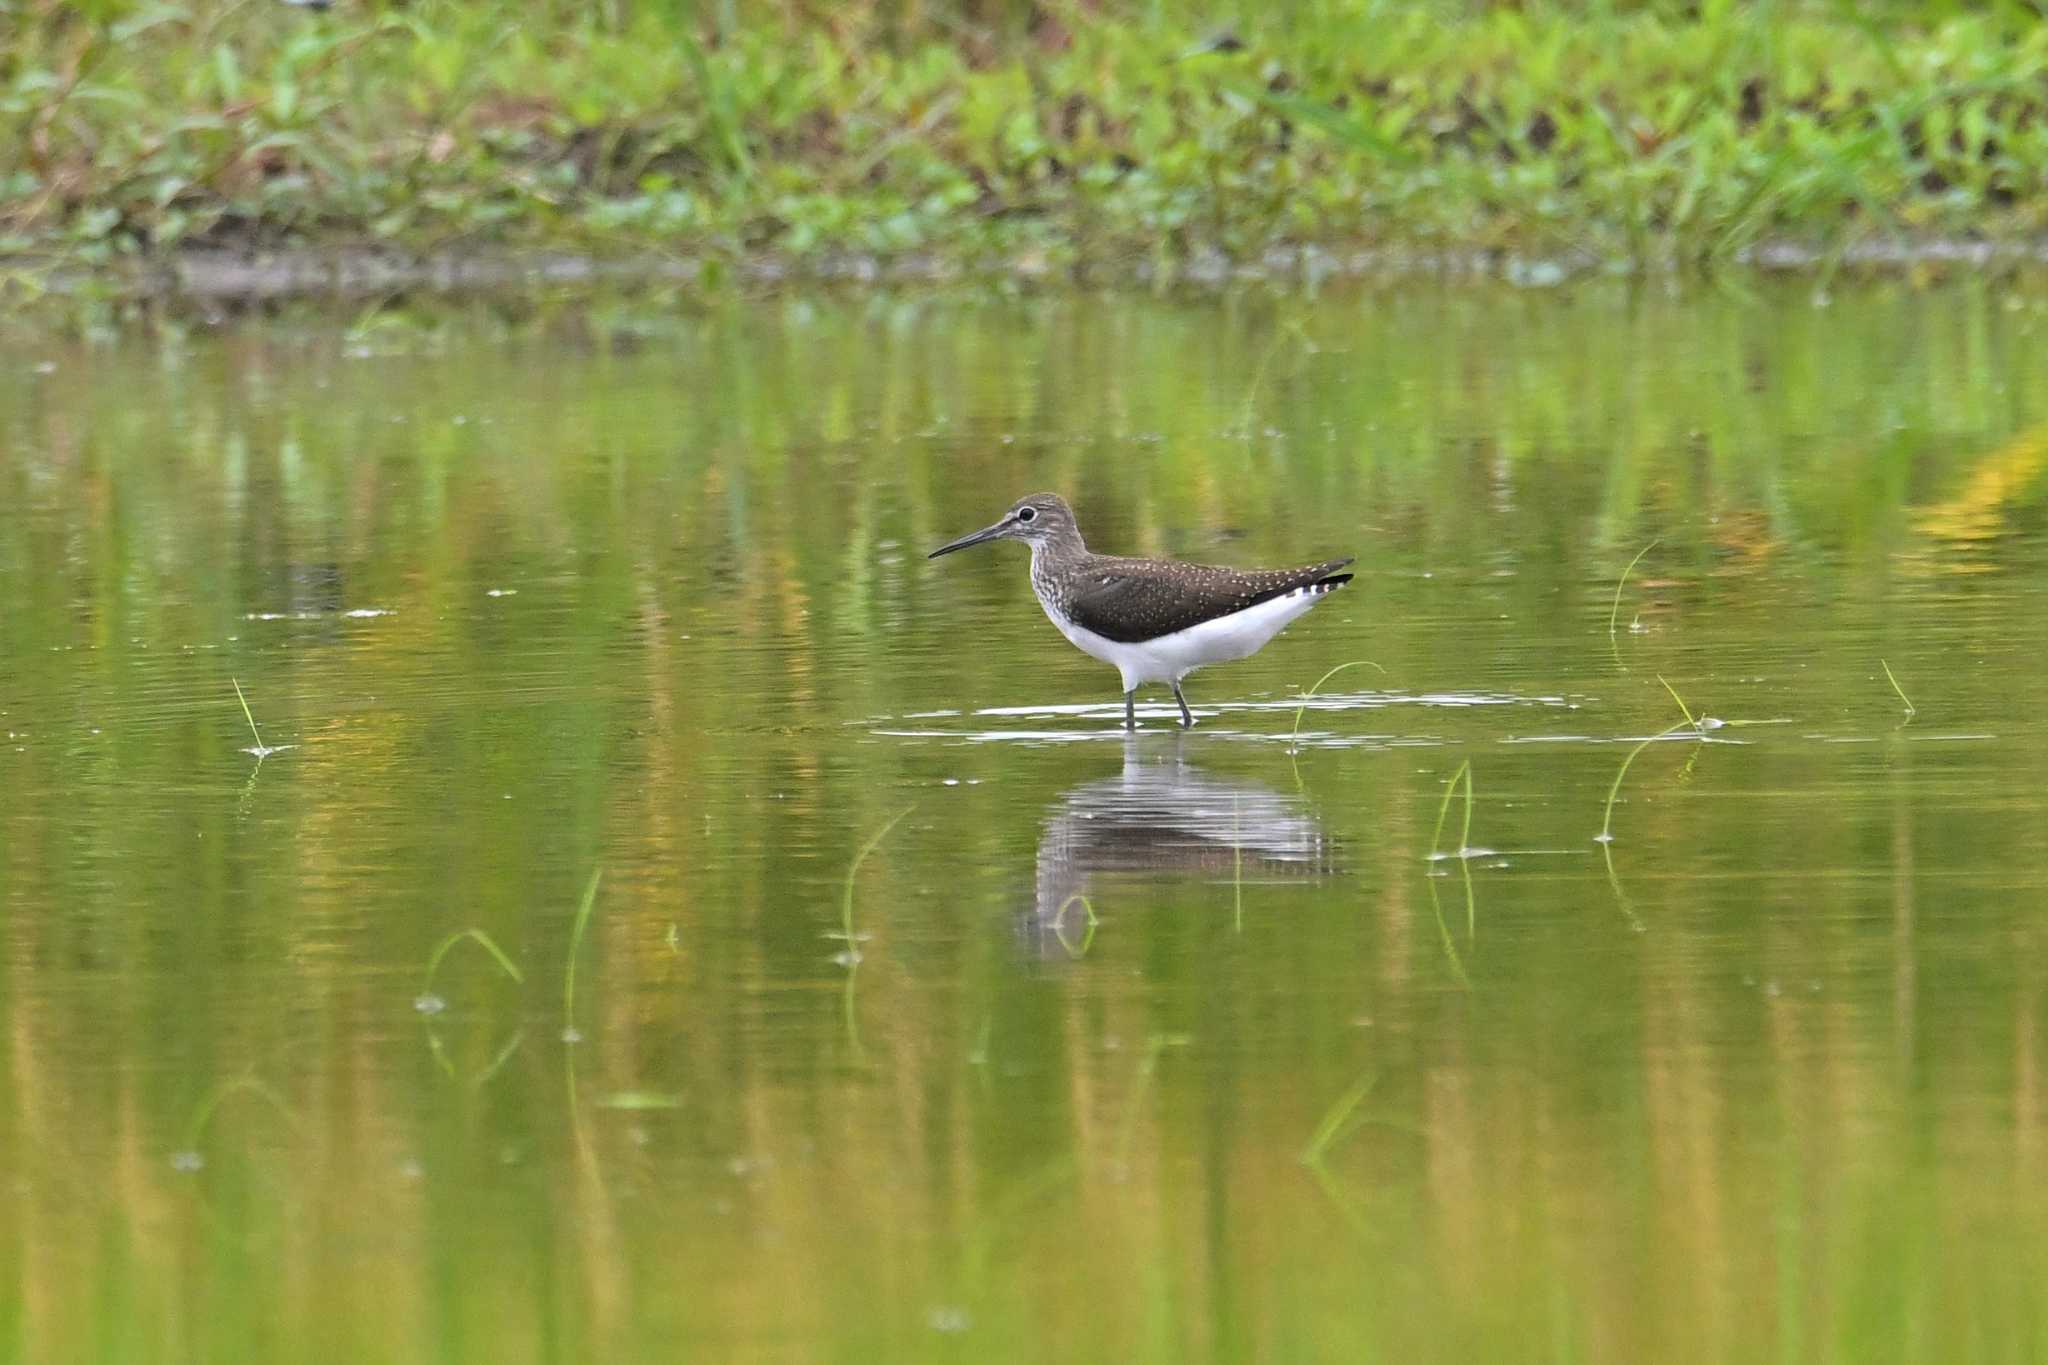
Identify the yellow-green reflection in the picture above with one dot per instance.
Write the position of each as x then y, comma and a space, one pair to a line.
512, 600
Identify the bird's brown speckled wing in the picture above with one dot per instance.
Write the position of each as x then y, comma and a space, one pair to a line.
1131, 600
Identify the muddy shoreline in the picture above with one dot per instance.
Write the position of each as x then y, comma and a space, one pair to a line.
230, 277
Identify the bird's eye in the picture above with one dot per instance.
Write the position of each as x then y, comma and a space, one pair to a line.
1028, 514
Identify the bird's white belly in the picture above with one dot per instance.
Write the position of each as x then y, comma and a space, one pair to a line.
1170, 658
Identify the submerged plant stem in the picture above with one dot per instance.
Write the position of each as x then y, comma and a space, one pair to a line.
575, 943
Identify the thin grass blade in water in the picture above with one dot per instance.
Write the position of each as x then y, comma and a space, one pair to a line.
1684, 710
1464, 776
569, 1030
1237, 864
1615, 609
846, 900
260, 749
1607, 820
1336, 1120
429, 1003
1911, 710
1147, 1064
1316, 686
187, 1157
246, 714
1443, 929
850, 957
1463, 855
1059, 928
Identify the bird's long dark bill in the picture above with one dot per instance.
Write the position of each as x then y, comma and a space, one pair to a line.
986, 533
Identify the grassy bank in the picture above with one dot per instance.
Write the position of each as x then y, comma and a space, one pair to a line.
999, 132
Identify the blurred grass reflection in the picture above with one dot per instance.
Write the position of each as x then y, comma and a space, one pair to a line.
646, 589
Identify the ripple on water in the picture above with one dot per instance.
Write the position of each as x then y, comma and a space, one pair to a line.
1108, 716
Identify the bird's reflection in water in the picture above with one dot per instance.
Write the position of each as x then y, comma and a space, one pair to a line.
1163, 816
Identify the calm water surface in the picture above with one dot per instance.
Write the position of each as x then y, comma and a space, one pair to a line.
1170, 1048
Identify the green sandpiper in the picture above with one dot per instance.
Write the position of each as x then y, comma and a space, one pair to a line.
1156, 620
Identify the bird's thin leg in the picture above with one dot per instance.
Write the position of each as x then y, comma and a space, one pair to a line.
1187, 717
1131, 709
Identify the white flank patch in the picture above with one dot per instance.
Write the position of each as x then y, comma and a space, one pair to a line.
1170, 658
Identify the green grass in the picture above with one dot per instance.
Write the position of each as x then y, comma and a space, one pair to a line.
1040, 136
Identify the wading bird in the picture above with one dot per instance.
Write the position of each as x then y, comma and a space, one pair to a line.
1156, 620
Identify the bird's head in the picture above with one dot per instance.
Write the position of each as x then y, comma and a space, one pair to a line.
1041, 519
